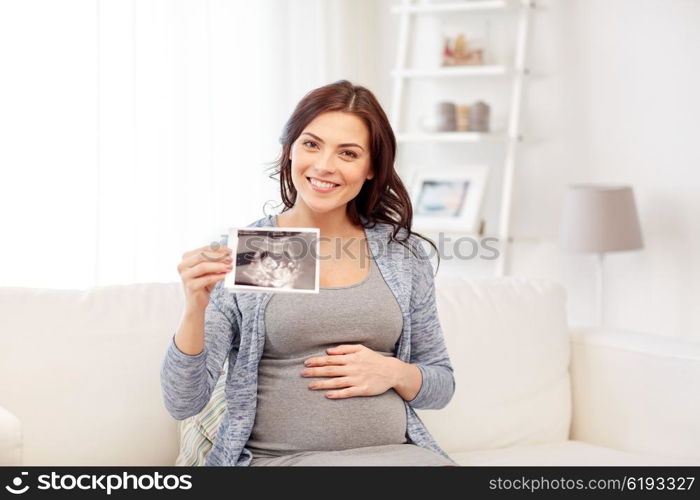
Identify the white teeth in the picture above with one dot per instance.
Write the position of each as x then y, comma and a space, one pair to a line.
324, 185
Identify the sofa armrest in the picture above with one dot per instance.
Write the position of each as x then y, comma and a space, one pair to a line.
636, 392
10, 439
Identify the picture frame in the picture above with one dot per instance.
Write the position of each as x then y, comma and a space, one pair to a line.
449, 200
277, 260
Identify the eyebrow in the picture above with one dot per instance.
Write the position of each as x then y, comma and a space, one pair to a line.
339, 145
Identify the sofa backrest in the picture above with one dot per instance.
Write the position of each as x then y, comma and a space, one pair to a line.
509, 346
81, 370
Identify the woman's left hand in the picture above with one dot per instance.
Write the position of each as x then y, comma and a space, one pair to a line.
356, 370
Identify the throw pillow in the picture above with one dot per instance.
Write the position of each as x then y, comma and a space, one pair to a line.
197, 433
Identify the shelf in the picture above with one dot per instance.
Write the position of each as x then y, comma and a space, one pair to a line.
452, 233
456, 7
453, 137
434, 234
485, 70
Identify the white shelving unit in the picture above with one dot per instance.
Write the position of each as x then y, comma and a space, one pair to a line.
517, 72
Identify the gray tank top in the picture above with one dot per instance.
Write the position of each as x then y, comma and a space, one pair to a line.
292, 418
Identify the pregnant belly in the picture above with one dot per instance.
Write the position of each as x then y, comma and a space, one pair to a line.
290, 417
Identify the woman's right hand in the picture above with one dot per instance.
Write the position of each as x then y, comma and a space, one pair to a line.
199, 275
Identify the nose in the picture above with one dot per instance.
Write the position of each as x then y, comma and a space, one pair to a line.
325, 165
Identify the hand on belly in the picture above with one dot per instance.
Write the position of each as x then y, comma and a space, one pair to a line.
351, 370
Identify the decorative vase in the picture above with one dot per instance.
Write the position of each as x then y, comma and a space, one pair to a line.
462, 118
479, 116
446, 114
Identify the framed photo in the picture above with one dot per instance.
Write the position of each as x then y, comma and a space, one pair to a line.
448, 200
274, 260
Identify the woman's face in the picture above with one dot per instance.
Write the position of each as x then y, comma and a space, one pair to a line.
334, 147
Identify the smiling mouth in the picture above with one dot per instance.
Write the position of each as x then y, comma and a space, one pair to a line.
334, 185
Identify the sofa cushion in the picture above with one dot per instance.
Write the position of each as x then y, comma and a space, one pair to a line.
508, 343
562, 453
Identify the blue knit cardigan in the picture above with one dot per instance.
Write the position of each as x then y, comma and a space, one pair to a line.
235, 331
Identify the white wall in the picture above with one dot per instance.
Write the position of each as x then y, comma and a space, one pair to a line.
614, 98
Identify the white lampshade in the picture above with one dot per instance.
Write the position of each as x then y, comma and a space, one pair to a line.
599, 218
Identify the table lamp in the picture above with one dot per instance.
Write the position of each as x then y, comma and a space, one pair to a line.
599, 219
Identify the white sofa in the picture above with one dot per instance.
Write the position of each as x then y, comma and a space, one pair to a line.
80, 380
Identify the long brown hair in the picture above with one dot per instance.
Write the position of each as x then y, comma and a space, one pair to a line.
383, 198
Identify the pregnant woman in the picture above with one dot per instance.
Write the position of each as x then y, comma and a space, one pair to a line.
330, 378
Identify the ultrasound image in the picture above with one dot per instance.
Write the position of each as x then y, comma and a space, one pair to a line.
273, 261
